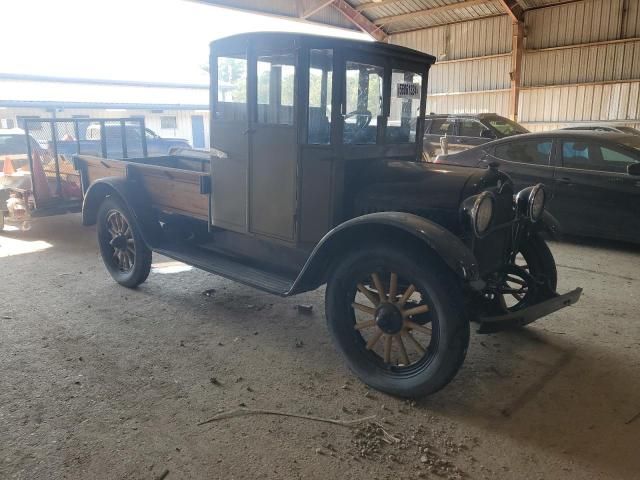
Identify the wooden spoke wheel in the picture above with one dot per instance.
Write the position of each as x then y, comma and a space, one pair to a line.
124, 252
386, 318
395, 315
122, 242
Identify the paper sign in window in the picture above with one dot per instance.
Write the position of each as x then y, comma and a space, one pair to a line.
408, 90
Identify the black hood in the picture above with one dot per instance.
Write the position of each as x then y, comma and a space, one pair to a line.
430, 190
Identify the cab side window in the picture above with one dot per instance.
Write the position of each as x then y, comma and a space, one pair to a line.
363, 102
320, 82
589, 156
231, 102
276, 80
535, 152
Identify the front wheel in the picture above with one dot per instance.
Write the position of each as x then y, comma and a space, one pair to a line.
123, 250
397, 320
531, 279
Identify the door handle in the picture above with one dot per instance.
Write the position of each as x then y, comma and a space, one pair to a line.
249, 130
564, 181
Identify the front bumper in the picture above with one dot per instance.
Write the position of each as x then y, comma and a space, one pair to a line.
529, 314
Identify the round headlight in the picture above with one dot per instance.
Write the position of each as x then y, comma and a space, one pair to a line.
537, 201
482, 213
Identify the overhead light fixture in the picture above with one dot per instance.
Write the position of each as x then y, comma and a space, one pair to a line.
115, 109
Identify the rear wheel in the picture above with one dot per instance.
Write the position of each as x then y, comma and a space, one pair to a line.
397, 320
123, 250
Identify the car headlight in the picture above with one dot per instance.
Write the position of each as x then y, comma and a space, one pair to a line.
482, 213
531, 202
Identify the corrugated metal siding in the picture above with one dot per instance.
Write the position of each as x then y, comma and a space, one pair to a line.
426, 20
579, 103
586, 64
477, 38
579, 22
485, 102
472, 75
286, 8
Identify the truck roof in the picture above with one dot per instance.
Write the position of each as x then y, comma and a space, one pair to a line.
379, 47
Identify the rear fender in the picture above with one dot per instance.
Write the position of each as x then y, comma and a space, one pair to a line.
133, 196
358, 231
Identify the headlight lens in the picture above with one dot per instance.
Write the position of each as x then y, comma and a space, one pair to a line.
537, 202
483, 213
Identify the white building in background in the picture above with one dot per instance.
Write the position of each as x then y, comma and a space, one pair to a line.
171, 110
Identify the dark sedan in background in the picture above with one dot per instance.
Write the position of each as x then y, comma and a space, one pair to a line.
465, 131
593, 178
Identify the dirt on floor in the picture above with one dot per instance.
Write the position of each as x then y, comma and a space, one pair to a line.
101, 382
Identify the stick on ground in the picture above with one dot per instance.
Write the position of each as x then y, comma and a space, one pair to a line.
240, 412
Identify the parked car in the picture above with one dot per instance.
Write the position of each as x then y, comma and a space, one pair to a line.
604, 128
13, 145
593, 177
466, 131
92, 141
294, 196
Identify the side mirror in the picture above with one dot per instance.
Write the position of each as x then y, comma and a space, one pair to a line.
486, 133
634, 169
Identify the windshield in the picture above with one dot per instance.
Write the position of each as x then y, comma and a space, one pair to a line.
630, 130
506, 127
631, 142
12, 145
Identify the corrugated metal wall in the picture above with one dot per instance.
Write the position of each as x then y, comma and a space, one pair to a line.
569, 73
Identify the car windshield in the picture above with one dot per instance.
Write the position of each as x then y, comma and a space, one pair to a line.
630, 130
12, 144
631, 142
506, 127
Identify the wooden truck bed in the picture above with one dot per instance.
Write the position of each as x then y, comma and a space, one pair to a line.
174, 183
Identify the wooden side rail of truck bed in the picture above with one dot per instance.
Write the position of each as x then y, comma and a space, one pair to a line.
175, 184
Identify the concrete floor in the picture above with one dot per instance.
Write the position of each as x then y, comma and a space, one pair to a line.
103, 382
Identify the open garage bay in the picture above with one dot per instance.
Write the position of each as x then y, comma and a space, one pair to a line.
104, 382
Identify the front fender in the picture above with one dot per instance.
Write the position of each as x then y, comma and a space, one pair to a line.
453, 252
133, 196
550, 225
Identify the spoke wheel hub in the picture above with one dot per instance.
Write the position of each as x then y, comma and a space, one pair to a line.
119, 242
389, 318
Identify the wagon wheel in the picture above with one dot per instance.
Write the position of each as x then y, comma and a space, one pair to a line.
124, 251
122, 242
386, 318
396, 317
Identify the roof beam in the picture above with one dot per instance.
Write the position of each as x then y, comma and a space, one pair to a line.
380, 3
512, 8
315, 8
430, 11
359, 20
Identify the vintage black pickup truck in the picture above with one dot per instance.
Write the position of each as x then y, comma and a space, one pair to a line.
316, 177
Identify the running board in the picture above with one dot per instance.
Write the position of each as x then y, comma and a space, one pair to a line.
227, 267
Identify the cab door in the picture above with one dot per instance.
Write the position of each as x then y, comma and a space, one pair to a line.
230, 133
273, 155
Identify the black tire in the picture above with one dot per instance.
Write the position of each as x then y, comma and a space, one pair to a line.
534, 275
438, 289
541, 263
135, 269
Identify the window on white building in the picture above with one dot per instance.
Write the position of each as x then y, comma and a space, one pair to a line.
168, 122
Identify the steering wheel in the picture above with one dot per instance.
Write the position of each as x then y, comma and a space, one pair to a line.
363, 118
